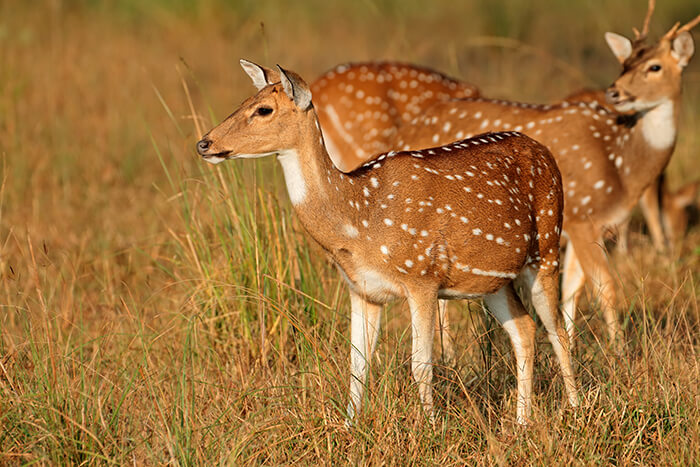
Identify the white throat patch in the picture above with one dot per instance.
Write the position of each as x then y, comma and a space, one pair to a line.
293, 175
659, 127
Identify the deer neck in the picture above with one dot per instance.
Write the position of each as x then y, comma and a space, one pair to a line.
315, 186
650, 145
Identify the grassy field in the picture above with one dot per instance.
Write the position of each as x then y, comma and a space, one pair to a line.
155, 309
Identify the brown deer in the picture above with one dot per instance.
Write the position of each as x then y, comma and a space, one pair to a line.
361, 107
658, 205
461, 220
607, 157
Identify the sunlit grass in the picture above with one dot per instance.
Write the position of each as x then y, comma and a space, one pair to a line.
156, 309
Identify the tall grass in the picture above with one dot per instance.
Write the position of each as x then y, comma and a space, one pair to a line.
155, 309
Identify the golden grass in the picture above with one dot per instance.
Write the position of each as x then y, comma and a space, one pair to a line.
154, 309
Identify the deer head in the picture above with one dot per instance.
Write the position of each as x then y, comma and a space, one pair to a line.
651, 74
279, 108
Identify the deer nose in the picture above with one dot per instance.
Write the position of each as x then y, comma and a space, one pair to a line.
203, 146
612, 95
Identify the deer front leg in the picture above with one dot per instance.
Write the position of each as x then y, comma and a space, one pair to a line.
423, 308
593, 260
649, 202
364, 324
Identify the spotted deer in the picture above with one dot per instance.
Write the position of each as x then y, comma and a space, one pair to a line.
658, 205
607, 156
466, 219
361, 107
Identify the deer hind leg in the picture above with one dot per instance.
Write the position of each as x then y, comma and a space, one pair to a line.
507, 308
589, 250
446, 341
364, 324
423, 309
572, 285
542, 288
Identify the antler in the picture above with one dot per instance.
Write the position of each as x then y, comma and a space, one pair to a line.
645, 29
677, 28
689, 25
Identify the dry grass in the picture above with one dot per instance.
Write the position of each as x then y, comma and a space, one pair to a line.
155, 310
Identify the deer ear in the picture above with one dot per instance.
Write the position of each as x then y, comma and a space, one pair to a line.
620, 46
683, 48
260, 75
295, 87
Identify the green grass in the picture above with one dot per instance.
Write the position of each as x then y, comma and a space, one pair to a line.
155, 309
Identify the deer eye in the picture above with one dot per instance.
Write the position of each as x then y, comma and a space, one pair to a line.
654, 68
263, 111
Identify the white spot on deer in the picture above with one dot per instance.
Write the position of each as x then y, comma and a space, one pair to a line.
408, 263
599, 184
388, 221
505, 275
350, 230
384, 249
476, 231
374, 182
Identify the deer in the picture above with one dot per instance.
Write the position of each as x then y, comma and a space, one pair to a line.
494, 221
361, 105
663, 210
608, 155
360, 108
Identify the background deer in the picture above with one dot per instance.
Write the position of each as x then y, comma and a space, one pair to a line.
362, 105
495, 218
607, 157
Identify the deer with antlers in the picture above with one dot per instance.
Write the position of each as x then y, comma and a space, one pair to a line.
607, 157
460, 220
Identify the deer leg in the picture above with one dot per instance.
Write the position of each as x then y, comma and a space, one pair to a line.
649, 202
423, 308
509, 311
446, 342
572, 286
364, 324
595, 266
623, 232
541, 287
